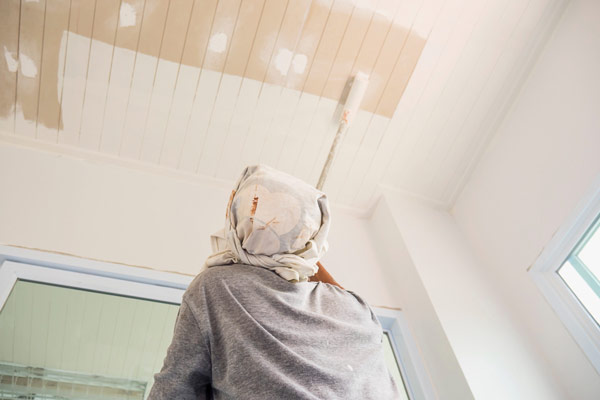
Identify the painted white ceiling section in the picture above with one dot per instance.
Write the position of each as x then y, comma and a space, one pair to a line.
448, 122
127, 78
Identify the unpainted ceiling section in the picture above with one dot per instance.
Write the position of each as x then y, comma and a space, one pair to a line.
310, 46
209, 86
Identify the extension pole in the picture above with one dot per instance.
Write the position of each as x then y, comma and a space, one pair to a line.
357, 92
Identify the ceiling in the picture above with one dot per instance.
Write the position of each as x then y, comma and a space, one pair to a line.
209, 86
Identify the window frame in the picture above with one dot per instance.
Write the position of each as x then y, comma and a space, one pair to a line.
416, 378
39, 266
69, 271
544, 272
11, 271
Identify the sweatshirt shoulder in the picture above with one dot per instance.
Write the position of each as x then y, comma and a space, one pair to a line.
202, 289
224, 275
207, 278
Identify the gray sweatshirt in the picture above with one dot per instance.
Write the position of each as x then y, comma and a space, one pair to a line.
243, 332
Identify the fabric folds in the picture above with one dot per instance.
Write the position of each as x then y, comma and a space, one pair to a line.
273, 220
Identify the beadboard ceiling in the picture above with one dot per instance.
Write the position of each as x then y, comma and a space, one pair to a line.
206, 87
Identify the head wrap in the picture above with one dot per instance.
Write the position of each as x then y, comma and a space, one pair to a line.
273, 220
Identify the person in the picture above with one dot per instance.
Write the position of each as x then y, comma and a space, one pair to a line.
264, 319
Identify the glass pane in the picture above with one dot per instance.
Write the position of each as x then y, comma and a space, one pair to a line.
392, 364
581, 289
590, 254
65, 343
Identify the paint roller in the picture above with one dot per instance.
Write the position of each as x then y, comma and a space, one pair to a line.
355, 96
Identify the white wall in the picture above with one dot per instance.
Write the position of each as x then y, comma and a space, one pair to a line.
99, 211
353, 260
542, 160
93, 209
497, 361
404, 280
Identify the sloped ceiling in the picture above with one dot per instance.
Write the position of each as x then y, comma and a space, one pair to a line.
209, 86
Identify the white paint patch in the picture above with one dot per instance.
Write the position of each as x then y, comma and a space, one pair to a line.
28, 67
127, 15
285, 58
299, 63
218, 42
61, 64
11, 62
380, 7
350, 367
283, 61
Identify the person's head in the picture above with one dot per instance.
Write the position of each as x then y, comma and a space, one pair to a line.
274, 220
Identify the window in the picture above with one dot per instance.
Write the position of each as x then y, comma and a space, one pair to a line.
402, 356
394, 366
581, 271
73, 328
568, 274
60, 342
79, 329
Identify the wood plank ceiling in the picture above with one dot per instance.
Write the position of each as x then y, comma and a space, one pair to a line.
209, 86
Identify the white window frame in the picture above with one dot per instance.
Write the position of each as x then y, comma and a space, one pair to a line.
68, 271
37, 266
569, 309
416, 378
11, 271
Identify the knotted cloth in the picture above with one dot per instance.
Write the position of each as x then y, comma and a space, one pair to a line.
273, 220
